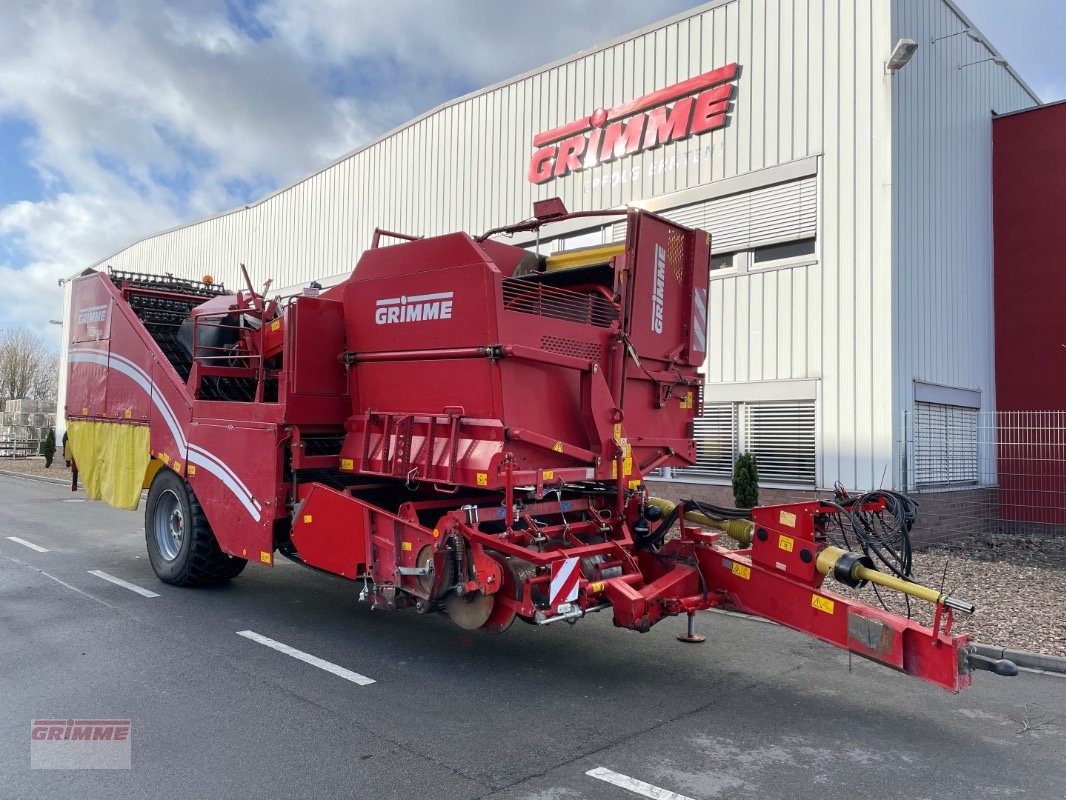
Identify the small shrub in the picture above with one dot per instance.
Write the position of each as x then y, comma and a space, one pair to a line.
746, 481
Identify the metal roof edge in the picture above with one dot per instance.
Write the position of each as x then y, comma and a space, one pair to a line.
1031, 108
1014, 74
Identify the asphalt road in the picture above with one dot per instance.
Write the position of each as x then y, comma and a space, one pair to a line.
757, 711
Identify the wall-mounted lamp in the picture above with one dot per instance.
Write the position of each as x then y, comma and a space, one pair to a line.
901, 54
999, 62
968, 31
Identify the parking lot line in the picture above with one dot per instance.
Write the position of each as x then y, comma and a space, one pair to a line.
633, 785
30, 545
124, 584
307, 658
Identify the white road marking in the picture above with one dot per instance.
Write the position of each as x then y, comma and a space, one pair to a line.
633, 785
307, 658
124, 584
30, 545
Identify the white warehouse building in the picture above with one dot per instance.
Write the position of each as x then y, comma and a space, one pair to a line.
848, 196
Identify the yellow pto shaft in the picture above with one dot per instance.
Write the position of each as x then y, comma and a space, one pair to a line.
740, 530
847, 567
830, 557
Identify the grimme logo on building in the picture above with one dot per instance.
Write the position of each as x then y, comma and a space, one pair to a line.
418, 308
698, 105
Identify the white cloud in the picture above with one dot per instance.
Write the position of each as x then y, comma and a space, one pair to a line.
149, 113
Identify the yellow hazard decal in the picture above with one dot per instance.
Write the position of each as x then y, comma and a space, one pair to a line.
618, 431
264, 556
741, 570
177, 466
634, 484
549, 474
822, 603
688, 401
308, 519
627, 467
164, 458
788, 518
85, 411
406, 546
482, 479
128, 413
347, 463
275, 325
191, 470
596, 588
557, 447
785, 543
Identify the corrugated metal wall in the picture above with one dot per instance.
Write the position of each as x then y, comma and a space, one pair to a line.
812, 83
942, 210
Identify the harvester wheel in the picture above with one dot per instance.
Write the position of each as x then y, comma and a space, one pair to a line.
181, 545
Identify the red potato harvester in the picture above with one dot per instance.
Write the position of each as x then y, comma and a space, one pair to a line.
464, 426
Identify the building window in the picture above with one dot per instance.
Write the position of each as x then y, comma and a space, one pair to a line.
945, 445
780, 434
782, 437
715, 434
786, 251
722, 261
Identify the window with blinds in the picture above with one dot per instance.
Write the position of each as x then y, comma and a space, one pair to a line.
771, 215
781, 435
945, 444
715, 434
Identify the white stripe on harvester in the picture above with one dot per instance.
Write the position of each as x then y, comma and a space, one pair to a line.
633, 785
124, 584
307, 658
30, 545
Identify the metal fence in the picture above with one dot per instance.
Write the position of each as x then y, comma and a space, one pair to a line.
985, 475
20, 448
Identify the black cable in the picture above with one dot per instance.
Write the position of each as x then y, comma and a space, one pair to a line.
881, 534
718, 512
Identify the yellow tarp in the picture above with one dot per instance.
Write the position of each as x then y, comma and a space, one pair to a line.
111, 458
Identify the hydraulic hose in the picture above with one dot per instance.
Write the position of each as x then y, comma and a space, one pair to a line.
739, 530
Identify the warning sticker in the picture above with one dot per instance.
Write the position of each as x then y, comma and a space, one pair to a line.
822, 603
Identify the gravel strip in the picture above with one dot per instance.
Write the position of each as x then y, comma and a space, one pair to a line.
35, 467
1017, 583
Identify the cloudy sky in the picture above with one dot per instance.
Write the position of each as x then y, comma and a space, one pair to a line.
122, 117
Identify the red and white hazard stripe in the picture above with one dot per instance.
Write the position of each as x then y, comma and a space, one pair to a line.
565, 576
699, 320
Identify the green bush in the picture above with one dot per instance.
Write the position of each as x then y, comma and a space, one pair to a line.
746, 481
49, 449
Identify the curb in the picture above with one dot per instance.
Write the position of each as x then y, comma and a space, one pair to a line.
37, 478
1023, 658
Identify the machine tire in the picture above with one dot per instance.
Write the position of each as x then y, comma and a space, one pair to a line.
181, 545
